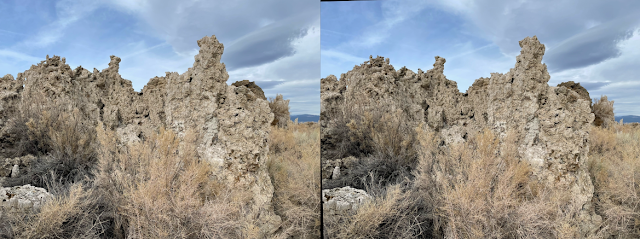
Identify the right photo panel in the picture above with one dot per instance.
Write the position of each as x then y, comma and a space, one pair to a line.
480, 119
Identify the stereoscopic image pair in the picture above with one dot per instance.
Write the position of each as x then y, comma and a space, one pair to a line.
287, 119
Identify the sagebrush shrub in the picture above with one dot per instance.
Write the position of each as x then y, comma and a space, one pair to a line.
61, 138
162, 189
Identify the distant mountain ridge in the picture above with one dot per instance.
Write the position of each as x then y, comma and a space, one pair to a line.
306, 118
628, 118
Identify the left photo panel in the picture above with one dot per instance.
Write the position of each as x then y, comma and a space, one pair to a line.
160, 119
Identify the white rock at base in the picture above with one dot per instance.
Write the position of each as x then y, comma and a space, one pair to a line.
343, 200
23, 197
336, 173
15, 171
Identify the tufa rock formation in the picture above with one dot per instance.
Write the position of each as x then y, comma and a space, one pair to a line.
551, 123
233, 121
280, 108
584, 94
603, 111
252, 86
601, 108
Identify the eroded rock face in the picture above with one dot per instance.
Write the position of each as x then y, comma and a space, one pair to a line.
232, 121
551, 123
252, 86
584, 94
343, 201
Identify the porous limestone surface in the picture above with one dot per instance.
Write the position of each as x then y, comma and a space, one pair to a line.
341, 201
22, 198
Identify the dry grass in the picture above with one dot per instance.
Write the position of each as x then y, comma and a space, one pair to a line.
294, 166
382, 140
58, 136
479, 189
476, 192
383, 134
473, 189
153, 189
614, 165
70, 215
162, 189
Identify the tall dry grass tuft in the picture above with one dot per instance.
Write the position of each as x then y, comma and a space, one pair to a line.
478, 189
383, 134
294, 167
60, 137
614, 166
161, 189
71, 214
280, 109
474, 189
384, 143
603, 110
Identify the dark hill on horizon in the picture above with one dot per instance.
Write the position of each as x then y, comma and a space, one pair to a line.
628, 118
306, 118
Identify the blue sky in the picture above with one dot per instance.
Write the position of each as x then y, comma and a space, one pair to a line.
273, 42
596, 43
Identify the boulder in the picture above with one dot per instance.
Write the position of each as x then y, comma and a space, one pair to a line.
22, 198
343, 201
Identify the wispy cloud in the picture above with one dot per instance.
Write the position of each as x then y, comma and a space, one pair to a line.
342, 56
273, 42
144, 50
568, 34
596, 46
5, 32
67, 12
394, 12
471, 51
19, 56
